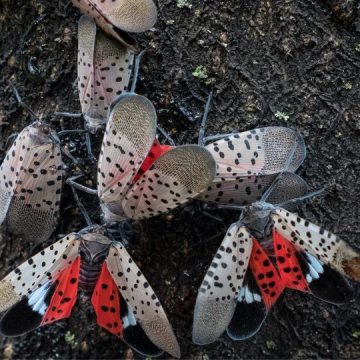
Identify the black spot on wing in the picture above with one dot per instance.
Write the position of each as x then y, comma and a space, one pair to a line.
135, 337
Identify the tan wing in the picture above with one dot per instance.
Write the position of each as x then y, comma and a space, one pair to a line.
129, 135
141, 299
318, 242
175, 177
217, 297
33, 273
260, 151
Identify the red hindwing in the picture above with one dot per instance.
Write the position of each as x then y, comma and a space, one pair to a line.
106, 303
288, 264
65, 294
269, 281
155, 152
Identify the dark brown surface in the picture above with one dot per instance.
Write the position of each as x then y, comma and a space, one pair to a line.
296, 57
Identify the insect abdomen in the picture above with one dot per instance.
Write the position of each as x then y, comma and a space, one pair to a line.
89, 274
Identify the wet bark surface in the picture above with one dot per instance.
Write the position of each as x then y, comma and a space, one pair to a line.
289, 63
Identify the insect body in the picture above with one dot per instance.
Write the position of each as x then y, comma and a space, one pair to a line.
44, 289
125, 189
104, 69
117, 17
246, 276
30, 183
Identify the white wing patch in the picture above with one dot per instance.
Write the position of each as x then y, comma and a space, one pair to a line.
38, 270
257, 152
217, 297
175, 177
138, 294
317, 241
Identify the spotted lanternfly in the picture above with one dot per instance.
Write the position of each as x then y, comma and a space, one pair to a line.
44, 290
248, 162
130, 186
118, 17
246, 278
104, 69
30, 183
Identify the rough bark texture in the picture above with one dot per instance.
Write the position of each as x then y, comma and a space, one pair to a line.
290, 63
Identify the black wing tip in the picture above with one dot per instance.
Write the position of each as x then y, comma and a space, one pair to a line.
135, 337
332, 287
20, 319
247, 320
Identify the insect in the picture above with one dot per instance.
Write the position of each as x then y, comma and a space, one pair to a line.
30, 183
248, 162
118, 17
127, 186
44, 290
267, 250
104, 69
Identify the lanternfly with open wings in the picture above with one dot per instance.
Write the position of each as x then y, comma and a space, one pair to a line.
44, 289
243, 282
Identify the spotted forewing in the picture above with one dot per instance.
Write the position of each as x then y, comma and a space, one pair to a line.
125, 189
261, 151
44, 289
30, 183
217, 298
129, 135
104, 69
177, 176
318, 242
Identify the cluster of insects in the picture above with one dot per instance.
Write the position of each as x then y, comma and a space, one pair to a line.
266, 251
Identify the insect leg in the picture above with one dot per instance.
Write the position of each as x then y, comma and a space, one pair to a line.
136, 71
89, 147
71, 182
24, 105
301, 198
81, 207
166, 135
215, 137
201, 140
67, 114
